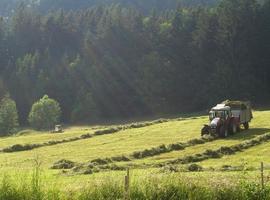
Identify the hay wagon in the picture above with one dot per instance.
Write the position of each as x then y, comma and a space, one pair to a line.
226, 118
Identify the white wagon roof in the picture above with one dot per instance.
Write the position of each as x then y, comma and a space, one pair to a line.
221, 107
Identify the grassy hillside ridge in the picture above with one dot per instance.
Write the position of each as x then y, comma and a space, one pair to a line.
237, 139
105, 131
31, 136
124, 142
202, 147
207, 154
128, 141
250, 158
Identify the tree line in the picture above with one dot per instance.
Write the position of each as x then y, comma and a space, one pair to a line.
45, 6
44, 115
115, 62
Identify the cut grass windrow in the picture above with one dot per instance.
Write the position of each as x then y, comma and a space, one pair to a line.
27, 147
99, 165
153, 151
104, 163
169, 148
224, 150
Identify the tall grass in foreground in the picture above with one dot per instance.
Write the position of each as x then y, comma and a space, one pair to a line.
27, 188
155, 187
175, 190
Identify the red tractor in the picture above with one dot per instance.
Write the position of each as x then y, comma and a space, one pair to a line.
227, 118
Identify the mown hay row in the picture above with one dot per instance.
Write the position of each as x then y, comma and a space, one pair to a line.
152, 152
63, 164
169, 148
27, 147
224, 150
99, 164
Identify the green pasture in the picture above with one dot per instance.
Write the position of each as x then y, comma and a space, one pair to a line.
125, 142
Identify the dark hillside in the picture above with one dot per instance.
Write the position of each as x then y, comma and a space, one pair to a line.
6, 6
108, 62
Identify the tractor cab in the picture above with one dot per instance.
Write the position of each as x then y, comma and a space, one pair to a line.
220, 111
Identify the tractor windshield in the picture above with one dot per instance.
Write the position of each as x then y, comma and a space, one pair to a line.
217, 113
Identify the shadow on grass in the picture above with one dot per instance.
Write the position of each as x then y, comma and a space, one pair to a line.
264, 108
249, 134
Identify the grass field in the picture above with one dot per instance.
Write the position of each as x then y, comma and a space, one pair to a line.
31, 136
125, 143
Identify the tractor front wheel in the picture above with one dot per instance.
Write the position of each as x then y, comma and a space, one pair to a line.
246, 126
205, 130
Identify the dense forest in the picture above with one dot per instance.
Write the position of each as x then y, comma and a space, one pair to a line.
116, 61
44, 6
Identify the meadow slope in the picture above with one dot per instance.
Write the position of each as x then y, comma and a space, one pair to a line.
127, 141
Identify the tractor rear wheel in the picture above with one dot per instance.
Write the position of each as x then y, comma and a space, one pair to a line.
223, 132
238, 128
246, 126
233, 128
